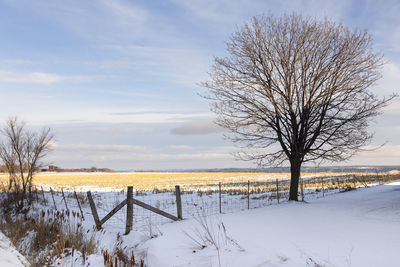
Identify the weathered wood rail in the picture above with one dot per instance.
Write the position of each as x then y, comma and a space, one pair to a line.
130, 201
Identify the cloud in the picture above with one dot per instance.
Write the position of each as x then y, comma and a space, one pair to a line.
226, 12
93, 20
140, 157
85, 78
386, 155
187, 156
44, 78
155, 111
155, 116
171, 62
95, 115
148, 157
19, 61
149, 50
31, 77
197, 128
107, 130
179, 147
392, 109
99, 148
142, 39
125, 12
390, 81
389, 84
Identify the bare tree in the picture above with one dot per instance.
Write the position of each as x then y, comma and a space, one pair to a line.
295, 89
21, 153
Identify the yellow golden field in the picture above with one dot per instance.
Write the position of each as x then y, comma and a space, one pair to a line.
149, 181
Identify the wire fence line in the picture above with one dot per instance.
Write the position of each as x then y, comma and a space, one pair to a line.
215, 198
200, 199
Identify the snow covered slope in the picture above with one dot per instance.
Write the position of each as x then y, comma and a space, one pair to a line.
9, 256
357, 228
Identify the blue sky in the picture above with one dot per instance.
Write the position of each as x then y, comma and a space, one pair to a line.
117, 81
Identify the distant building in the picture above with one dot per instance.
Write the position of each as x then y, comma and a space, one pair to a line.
53, 168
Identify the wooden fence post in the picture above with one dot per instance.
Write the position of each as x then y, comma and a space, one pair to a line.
94, 210
220, 204
248, 194
129, 210
302, 189
44, 198
52, 195
79, 205
277, 190
36, 193
178, 202
65, 202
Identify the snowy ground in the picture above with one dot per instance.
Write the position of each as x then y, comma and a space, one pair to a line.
357, 228
9, 256
193, 204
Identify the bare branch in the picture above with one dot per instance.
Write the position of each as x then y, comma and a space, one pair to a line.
21, 153
300, 83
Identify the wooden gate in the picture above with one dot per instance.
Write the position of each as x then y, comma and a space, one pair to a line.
130, 201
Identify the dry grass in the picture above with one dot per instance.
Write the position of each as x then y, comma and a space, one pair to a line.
161, 181
53, 236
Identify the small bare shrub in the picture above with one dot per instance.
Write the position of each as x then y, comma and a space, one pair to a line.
211, 233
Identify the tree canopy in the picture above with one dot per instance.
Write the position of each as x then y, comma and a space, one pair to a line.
296, 89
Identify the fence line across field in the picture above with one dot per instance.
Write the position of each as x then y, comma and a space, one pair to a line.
60, 200
195, 200
210, 199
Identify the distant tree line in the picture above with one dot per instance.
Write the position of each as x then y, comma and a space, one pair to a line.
92, 169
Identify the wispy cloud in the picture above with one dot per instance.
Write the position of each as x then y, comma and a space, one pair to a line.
156, 111
94, 20
82, 148
117, 79
197, 128
32, 77
44, 78
179, 147
386, 155
140, 157
182, 63
225, 12
69, 115
18, 61
391, 79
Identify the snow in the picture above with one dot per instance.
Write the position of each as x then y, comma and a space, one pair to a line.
9, 256
357, 228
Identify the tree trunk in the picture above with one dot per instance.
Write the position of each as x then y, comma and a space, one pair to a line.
295, 166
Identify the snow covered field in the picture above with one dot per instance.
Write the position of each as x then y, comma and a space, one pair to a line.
357, 228
205, 202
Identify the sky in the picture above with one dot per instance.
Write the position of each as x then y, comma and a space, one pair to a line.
118, 82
